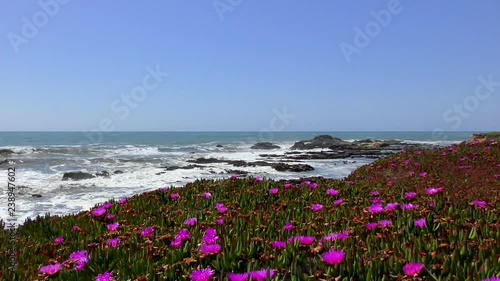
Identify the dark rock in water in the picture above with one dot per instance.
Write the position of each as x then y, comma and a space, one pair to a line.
188, 167
6, 151
265, 145
283, 167
219, 145
103, 174
203, 160
322, 141
77, 176
237, 172
270, 155
36, 195
363, 141
118, 172
4, 162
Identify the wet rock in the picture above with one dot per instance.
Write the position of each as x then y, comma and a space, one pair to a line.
104, 174
188, 167
6, 152
36, 195
117, 172
77, 176
321, 141
265, 145
283, 167
219, 146
236, 172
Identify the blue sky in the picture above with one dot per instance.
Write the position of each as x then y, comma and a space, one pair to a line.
232, 64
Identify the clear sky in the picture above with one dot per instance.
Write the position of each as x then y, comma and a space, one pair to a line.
233, 64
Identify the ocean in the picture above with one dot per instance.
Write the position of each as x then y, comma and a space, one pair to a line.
41, 159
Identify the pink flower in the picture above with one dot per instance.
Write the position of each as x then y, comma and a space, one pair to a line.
80, 258
374, 193
147, 231
174, 195
234, 177
418, 152
113, 226
278, 245
258, 179
350, 182
191, 221
390, 183
316, 207
420, 223
423, 174
432, 190
219, 205
113, 242
288, 226
201, 274
107, 205
332, 192
335, 236
287, 185
338, 202
122, 201
313, 185
222, 210
333, 257
303, 240
99, 212
176, 243
370, 226
375, 201
206, 194
76, 228
237, 276
50, 269
182, 234
385, 223
106, 276
492, 279
376, 208
59, 240
210, 249
391, 206
273, 191
480, 204
110, 217
410, 195
220, 220
261, 275
413, 269
408, 206
305, 183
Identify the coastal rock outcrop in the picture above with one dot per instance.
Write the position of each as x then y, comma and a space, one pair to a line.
6, 151
77, 176
321, 141
283, 167
265, 145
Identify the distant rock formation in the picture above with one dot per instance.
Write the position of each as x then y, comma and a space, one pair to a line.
265, 145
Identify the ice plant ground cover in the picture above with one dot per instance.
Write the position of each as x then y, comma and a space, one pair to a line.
450, 229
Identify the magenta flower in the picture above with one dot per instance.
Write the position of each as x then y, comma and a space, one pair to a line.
176, 243
210, 249
237, 276
480, 204
391, 206
332, 192
174, 195
338, 202
413, 269
113, 226
76, 228
219, 205
432, 190
261, 275
421, 223
50, 269
316, 207
335, 236
113, 242
278, 244
492, 279
206, 194
220, 220
371, 225
209, 239
333, 257
110, 217
408, 206
423, 174
376, 208
106, 276
107, 205
350, 182
305, 183
99, 212
385, 223
418, 152
182, 234
288, 226
375, 201
410, 195
59, 240
222, 210
432, 204
313, 185
258, 179
287, 185
273, 191
234, 177
191, 221
122, 201
201, 274
81, 258
303, 240
147, 231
